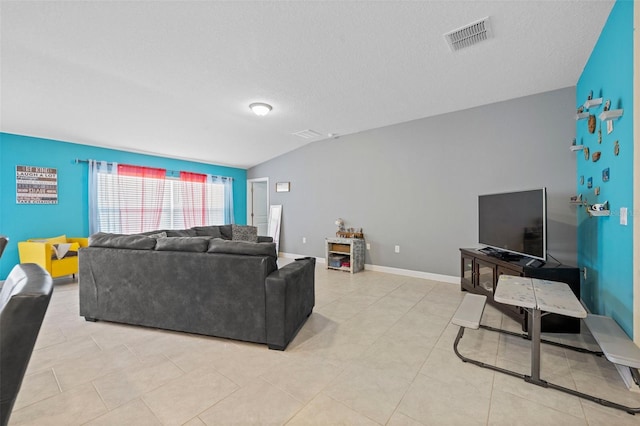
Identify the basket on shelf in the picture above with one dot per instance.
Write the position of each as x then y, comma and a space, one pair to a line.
345, 234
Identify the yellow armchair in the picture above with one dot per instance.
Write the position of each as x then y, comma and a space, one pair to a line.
41, 252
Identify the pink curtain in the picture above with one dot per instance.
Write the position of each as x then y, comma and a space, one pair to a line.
193, 191
141, 203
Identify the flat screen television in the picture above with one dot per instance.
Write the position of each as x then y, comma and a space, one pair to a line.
515, 222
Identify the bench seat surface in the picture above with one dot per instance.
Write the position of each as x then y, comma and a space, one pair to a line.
470, 311
613, 341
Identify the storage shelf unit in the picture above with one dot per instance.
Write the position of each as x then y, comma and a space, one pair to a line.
345, 250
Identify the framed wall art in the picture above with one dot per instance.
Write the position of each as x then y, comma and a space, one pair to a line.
283, 186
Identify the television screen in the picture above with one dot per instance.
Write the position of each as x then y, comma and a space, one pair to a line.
515, 222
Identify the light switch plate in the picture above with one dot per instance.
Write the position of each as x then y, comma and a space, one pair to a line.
623, 216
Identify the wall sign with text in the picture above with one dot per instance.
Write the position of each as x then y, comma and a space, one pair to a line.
36, 185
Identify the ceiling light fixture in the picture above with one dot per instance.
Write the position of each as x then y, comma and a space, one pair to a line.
260, 108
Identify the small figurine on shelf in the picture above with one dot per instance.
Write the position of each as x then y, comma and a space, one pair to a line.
340, 224
607, 105
591, 124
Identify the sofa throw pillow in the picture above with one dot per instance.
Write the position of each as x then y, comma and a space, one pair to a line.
191, 244
244, 233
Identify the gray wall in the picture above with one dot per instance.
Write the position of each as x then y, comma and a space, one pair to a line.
416, 184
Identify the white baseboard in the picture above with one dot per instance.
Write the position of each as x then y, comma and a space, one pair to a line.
416, 274
389, 270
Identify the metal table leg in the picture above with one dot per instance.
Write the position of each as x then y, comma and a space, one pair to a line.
536, 315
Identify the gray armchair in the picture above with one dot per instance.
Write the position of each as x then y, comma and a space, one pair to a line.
24, 299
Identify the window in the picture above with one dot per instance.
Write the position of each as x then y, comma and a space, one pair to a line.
132, 199
176, 202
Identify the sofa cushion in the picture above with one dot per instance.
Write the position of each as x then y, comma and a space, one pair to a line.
215, 231
181, 233
218, 245
208, 231
162, 234
244, 233
134, 242
151, 233
194, 244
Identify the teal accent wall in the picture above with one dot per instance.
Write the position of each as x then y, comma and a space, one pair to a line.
605, 247
70, 216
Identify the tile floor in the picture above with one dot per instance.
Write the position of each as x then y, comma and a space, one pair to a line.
377, 350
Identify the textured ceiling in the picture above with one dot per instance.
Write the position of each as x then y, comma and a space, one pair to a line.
176, 78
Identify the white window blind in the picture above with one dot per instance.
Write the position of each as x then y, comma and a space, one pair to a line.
123, 206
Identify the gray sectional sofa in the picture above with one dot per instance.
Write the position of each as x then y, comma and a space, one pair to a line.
202, 283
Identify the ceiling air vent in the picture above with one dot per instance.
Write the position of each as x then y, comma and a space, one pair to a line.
307, 134
469, 35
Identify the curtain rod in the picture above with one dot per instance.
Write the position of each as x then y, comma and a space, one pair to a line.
170, 172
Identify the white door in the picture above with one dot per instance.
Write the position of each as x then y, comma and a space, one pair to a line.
258, 206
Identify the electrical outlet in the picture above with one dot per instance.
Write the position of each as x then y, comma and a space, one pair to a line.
397, 249
304, 240
368, 246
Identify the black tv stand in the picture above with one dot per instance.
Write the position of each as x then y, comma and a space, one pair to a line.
502, 255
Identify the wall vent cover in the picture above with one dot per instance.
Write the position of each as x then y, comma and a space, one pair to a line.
469, 34
307, 134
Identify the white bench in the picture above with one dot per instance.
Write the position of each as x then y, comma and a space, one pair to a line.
617, 347
613, 341
470, 311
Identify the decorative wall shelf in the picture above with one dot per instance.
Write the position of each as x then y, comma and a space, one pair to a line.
605, 212
576, 200
582, 115
590, 103
576, 147
611, 114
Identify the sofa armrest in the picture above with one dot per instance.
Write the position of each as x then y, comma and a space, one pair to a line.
290, 298
34, 252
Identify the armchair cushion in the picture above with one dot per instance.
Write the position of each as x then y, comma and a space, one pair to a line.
60, 251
